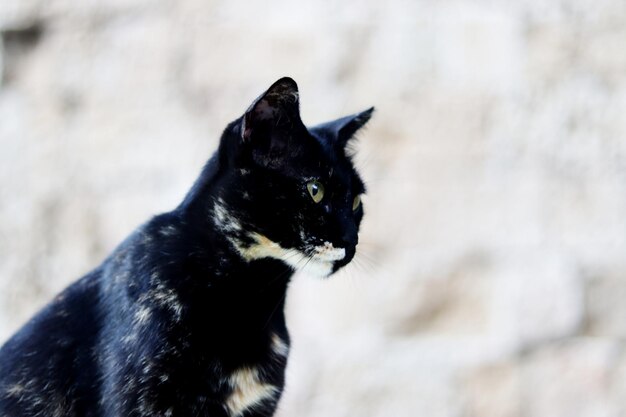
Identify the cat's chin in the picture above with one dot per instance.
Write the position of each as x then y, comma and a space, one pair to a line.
322, 262
317, 261
319, 265
317, 269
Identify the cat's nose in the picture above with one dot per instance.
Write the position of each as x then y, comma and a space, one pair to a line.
349, 238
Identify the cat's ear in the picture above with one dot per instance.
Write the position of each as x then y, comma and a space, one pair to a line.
340, 131
276, 108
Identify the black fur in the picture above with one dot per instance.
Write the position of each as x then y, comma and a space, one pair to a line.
185, 317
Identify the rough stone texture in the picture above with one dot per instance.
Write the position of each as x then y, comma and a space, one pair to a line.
491, 277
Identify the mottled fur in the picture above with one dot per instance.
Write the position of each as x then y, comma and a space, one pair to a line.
185, 317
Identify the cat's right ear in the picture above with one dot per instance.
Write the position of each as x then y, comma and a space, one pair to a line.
340, 131
276, 108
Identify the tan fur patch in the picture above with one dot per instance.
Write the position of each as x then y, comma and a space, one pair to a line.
279, 346
319, 262
248, 391
317, 265
263, 248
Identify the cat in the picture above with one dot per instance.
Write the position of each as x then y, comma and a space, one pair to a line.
185, 317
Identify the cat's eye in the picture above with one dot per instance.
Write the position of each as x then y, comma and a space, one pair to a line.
316, 190
356, 202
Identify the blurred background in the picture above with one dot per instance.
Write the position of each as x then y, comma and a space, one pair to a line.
491, 275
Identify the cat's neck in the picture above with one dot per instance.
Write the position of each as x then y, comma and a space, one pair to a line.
203, 186
195, 264
194, 242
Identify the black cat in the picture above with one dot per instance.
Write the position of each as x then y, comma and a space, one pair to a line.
185, 317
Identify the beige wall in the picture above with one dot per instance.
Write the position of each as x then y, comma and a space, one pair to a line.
492, 275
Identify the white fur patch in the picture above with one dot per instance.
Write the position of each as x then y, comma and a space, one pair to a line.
129, 338
166, 297
328, 252
168, 231
248, 391
223, 219
15, 390
142, 315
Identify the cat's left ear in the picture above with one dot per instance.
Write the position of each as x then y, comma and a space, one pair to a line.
340, 131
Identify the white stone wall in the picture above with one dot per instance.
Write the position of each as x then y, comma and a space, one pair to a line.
492, 274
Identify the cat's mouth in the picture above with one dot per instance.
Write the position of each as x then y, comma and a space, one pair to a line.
327, 252
325, 259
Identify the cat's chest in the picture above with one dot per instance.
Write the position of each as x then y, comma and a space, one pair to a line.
258, 385
248, 378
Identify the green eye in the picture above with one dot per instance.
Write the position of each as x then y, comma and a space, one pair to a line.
356, 203
316, 190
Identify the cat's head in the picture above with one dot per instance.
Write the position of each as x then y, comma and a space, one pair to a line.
290, 192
